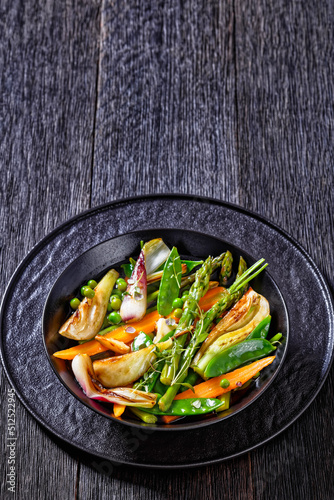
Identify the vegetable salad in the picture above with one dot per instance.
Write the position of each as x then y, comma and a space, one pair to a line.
165, 338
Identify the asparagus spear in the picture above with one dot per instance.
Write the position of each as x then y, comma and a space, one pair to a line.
216, 262
148, 418
202, 330
190, 311
241, 269
226, 268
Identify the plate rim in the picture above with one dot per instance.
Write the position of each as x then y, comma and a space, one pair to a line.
187, 197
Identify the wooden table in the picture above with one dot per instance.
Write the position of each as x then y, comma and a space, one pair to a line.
229, 99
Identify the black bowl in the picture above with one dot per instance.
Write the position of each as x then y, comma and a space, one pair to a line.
111, 253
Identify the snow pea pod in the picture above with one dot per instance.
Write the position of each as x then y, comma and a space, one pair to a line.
184, 407
142, 340
261, 330
127, 268
237, 355
191, 264
170, 283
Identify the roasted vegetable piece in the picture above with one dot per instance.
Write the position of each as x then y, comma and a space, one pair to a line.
252, 306
123, 370
164, 326
113, 345
124, 333
252, 311
84, 373
133, 307
156, 252
170, 283
87, 320
237, 355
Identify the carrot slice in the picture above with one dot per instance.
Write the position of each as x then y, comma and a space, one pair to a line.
92, 347
118, 409
212, 389
211, 297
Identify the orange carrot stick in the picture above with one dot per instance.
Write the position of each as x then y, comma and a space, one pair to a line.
118, 409
212, 389
211, 297
92, 347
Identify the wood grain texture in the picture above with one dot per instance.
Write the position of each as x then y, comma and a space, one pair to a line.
48, 68
231, 99
285, 56
166, 110
119, 482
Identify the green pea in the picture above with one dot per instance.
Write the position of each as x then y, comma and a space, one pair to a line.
224, 383
121, 285
75, 303
86, 291
114, 318
115, 303
178, 313
177, 304
92, 284
116, 292
185, 295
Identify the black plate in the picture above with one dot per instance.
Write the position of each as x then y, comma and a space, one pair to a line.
96, 261
308, 358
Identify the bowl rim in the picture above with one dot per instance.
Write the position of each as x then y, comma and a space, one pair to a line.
166, 427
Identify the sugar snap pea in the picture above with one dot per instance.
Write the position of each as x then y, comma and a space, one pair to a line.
237, 355
127, 268
261, 330
191, 406
170, 283
142, 340
191, 264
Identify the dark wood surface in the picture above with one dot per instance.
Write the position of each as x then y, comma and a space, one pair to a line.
230, 99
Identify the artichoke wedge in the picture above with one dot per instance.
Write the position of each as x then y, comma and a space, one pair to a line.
123, 370
235, 326
164, 326
84, 373
87, 320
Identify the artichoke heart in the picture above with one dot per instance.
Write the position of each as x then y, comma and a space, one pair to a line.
238, 323
163, 327
87, 320
123, 370
84, 373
